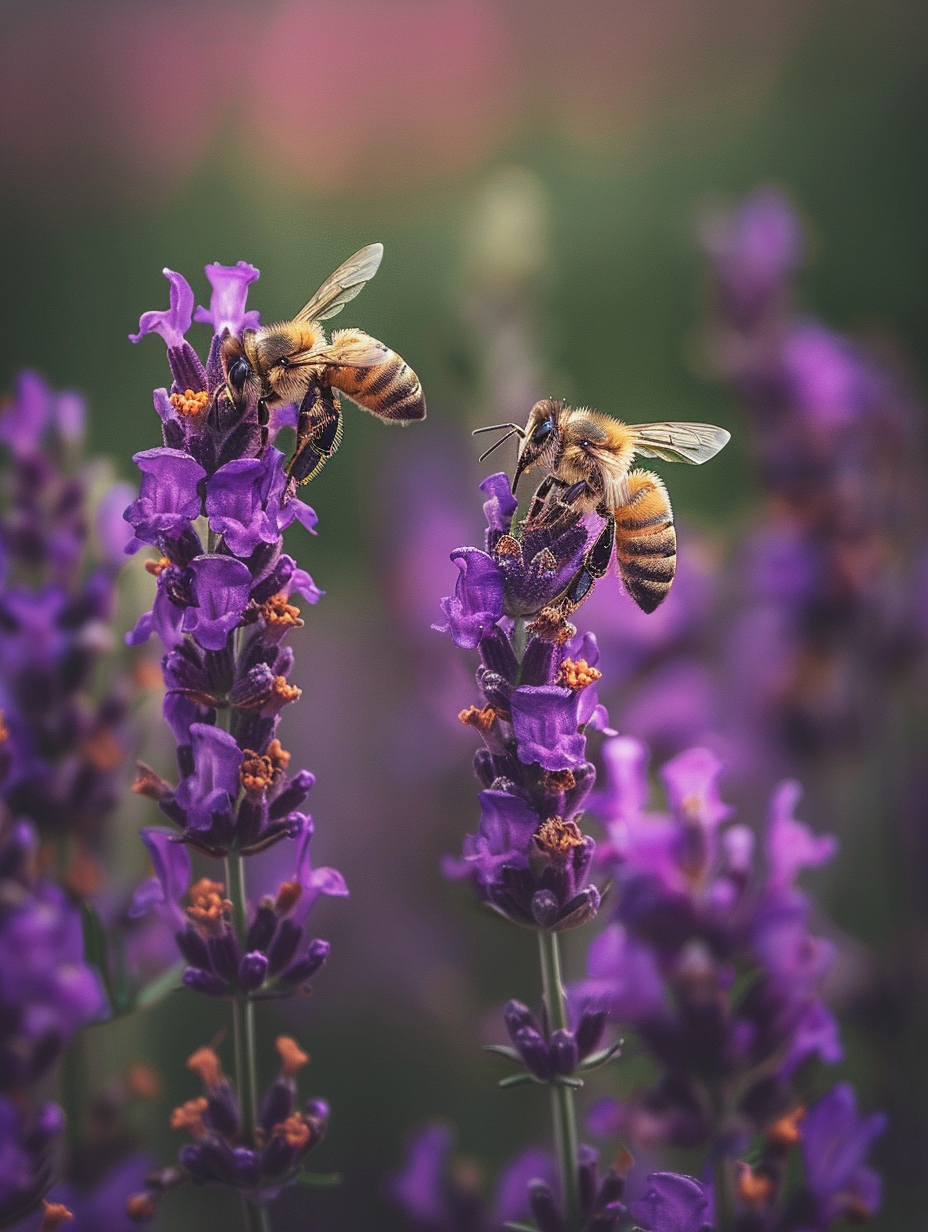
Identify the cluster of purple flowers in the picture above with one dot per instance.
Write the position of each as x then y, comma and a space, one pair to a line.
47, 992
528, 860
531, 862
65, 746
710, 962
828, 579
707, 960
214, 502
62, 747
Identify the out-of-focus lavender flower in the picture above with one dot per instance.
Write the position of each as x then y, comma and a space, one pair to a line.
822, 590
673, 1203
27, 1147
835, 1142
58, 596
46, 990
437, 1196
693, 910
288, 1131
275, 956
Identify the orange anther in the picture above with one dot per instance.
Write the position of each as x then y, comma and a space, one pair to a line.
292, 1056
577, 674
558, 837
205, 1064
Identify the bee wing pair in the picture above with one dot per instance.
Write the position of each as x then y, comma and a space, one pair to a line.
341, 287
679, 442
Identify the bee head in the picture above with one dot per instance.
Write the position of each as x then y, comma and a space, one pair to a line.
539, 446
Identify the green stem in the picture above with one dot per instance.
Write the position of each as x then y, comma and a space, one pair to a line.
519, 637
243, 1010
722, 1175
721, 1191
256, 1217
73, 1090
563, 1110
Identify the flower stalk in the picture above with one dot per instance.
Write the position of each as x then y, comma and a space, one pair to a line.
215, 500
563, 1107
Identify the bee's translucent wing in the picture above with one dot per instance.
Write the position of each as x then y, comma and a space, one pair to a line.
342, 286
349, 348
679, 442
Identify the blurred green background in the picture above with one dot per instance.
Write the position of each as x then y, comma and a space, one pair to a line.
135, 136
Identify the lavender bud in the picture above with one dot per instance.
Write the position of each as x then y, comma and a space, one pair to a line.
563, 1051
533, 1051
544, 1208
283, 947
205, 982
263, 927
222, 1113
277, 1104
545, 908
306, 967
251, 970
590, 1032
192, 947
516, 1015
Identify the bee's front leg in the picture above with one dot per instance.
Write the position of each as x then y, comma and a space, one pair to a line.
594, 565
318, 433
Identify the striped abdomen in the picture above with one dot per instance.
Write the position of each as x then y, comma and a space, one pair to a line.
645, 540
390, 390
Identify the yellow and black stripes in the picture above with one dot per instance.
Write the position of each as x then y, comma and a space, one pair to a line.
390, 390
645, 540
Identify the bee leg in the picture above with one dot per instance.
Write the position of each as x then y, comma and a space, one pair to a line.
595, 565
540, 497
318, 433
264, 415
569, 495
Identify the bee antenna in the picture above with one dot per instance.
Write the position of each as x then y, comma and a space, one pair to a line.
502, 440
499, 427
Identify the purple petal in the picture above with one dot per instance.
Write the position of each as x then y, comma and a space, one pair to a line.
544, 723
673, 1203
303, 584
221, 587
477, 603
791, 845
692, 787
173, 323
230, 285
419, 1188
835, 1140
499, 509
171, 863
511, 1200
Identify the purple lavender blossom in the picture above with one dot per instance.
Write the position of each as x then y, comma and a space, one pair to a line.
673, 1203
65, 744
27, 1146
528, 860
275, 957
217, 1156
46, 990
710, 960
215, 501
437, 1198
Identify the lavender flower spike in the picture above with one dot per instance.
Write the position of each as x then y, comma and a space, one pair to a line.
215, 500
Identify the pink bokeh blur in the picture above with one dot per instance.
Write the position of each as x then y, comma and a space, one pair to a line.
365, 95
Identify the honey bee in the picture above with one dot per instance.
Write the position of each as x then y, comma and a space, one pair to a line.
587, 457
293, 361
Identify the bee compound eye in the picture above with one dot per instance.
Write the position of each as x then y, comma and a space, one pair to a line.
542, 432
239, 374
